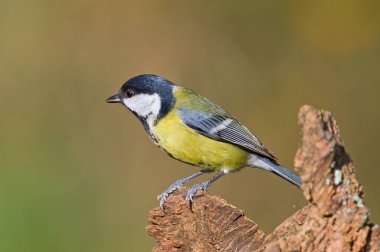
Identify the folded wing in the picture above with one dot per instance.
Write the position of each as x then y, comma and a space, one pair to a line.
224, 128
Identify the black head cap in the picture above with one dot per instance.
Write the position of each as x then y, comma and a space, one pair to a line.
150, 84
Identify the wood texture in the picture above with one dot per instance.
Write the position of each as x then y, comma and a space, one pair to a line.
335, 219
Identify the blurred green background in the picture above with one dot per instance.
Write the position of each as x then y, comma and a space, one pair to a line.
78, 174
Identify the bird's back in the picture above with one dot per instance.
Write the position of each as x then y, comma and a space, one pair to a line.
202, 114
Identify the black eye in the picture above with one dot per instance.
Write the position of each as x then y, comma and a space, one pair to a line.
130, 93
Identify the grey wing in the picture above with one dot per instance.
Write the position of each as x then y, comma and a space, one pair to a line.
224, 128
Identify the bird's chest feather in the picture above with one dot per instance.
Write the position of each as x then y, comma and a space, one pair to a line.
184, 144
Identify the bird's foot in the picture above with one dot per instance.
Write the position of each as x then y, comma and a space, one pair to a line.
193, 190
163, 196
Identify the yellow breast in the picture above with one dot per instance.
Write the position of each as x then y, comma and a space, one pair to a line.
185, 144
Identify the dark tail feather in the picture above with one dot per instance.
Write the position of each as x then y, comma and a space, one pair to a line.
286, 174
268, 165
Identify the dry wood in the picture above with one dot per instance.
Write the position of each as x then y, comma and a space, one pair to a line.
335, 219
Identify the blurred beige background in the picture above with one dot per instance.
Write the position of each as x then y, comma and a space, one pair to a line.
77, 174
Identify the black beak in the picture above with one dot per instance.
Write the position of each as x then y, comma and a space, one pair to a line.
114, 99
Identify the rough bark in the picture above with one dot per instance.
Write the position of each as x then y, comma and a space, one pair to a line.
335, 219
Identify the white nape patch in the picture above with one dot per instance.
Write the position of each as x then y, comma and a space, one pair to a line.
145, 105
255, 161
226, 170
221, 126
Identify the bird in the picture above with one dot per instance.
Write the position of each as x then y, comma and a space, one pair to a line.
193, 129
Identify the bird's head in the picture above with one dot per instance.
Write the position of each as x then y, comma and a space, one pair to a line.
147, 96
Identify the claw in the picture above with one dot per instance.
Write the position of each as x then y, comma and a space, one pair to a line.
163, 196
176, 185
192, 191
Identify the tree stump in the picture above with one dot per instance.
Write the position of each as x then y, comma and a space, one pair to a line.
335, 219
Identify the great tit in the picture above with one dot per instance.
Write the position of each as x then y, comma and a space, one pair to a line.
194, 130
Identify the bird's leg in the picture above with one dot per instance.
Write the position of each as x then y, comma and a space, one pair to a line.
202, 186
178, 184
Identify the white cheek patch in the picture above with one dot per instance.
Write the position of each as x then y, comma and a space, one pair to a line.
144, 104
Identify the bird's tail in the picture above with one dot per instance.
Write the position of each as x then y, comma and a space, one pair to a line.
266, 164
